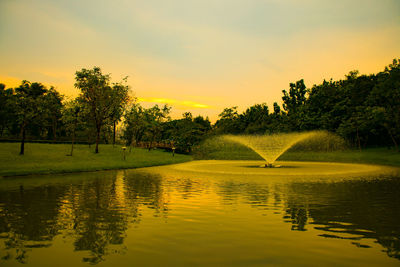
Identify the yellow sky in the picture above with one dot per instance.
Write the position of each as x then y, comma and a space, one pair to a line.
198, 56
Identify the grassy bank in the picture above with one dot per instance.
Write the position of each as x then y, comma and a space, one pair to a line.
381, 156
51, 158
216, 149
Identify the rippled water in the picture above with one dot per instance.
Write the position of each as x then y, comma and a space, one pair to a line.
175, 215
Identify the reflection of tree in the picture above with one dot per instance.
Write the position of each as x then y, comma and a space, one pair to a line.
296, 211
256, 195
94, 211
297, 215
353, 209
98, 220
187, 187
27, 219
103, 208
362, 208
145, 189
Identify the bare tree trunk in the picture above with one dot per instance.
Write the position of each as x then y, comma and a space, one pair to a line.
130, 144
54, 129
22, 150
97, 139
73, 141
113, 133
358, 140
394, 141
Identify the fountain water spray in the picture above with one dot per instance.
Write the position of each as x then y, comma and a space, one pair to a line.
270, 147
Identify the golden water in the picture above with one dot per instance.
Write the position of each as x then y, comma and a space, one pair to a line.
208, 213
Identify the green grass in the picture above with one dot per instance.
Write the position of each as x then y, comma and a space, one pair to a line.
217, 149
52, 158
381, 156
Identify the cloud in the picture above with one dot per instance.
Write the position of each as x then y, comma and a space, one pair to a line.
174, 102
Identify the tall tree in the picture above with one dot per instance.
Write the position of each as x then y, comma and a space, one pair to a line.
100, 97
135, 124
7, 110
53, 102
293, 103
277, 109
228, 121
295, 98
29, 105
155, 117
121, 98
385, 97
71, 118
255, 119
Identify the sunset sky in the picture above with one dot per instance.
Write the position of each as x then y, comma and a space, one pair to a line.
197, 55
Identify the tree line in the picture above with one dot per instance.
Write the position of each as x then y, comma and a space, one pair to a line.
32, 111
363, 109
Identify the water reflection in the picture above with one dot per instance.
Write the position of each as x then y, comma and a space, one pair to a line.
96, 212
353, 210
28, 219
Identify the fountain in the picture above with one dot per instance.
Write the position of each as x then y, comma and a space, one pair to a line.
223, 168
270, 147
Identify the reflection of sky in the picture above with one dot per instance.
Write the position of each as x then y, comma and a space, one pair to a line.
213, 53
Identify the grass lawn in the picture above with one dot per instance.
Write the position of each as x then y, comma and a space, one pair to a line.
52, 158
382, 156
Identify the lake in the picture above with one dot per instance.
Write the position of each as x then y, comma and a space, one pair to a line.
204, 213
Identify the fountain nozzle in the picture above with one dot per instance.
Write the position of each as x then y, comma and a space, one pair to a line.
269, 165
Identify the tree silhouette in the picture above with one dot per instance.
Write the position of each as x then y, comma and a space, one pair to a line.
29, 105
100, 96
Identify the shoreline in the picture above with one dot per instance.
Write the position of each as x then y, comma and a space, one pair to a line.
83, 171
45, 159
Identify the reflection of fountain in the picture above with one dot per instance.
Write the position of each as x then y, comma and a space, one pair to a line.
270, 147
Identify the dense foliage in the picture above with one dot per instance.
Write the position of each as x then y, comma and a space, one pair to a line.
362, 109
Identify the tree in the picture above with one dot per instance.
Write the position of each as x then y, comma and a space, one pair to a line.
255, 119
385, 97
228, 121
186, 132
325, 106
154, 118
53, 103
293, 103
121, 98
145, 124
71, 117
135, 124
7, 110
277, 109
29, 106
295, 98
100, 97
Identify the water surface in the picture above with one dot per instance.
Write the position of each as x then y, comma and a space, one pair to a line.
203, 214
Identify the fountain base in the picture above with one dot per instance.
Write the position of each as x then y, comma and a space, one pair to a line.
269, 165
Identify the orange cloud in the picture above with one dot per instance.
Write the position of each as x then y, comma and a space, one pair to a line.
174, 102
